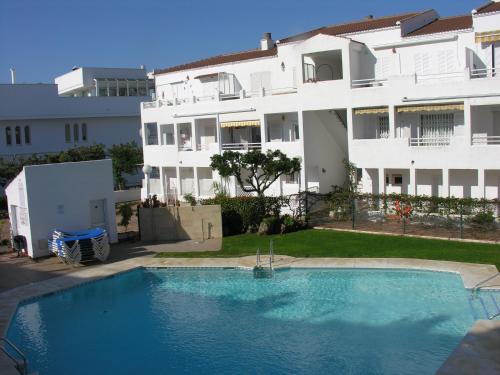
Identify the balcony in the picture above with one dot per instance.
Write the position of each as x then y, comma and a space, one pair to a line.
487, 72
429, 141
484, 139
245, 146
369, 82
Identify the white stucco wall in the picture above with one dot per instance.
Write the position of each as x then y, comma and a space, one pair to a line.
59, 196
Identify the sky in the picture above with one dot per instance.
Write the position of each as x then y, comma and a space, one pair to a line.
42, 39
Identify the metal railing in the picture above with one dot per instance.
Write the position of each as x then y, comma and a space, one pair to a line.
484, 73
438, 76
20, 364
187, 147
429, 142
147, 105
482, 139
242, 146
369, 82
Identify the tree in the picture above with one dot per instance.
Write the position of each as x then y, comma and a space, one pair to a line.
125, 211
263, 168
9, 169
126, 157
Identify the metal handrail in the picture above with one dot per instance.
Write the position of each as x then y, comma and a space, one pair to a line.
368, 82
485, 139
478, 286
430, 141
241, 146
22, 368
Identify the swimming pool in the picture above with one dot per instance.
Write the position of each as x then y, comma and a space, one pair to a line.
224, 321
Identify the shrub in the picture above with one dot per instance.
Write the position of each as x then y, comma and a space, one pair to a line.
483, 218
251, 210
290, 224
189, 198
270, 225
3, 203
231, 223
126, 213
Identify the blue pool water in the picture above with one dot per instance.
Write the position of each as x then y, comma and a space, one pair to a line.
316, 321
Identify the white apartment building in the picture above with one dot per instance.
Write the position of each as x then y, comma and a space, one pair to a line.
413, 100
85, 106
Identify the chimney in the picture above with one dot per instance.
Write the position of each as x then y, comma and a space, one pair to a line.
143, 67
369, 17
266, 42
12, 75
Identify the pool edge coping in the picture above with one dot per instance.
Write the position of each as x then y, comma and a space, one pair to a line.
470, 274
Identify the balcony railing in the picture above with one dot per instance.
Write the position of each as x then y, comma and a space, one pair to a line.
484, 73
429, 142
242, 146
369, 82
186, 147
483, 139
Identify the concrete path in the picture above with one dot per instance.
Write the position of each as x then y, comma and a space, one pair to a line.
17, 271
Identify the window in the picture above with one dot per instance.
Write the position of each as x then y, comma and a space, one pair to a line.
383, 126
67, 132
27, 135
84, 132
103, 91
155, 172
151, 133
167, 134
132, 88
112, 89
397, 179
436, 125
122, 88
292, 178
76, 133
18, 135
8, 136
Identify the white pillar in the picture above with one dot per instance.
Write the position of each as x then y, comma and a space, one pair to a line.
467, 123
350, 127
413, 182
96, 87
179, 190
481, 183
162, 184
303, 175
446, 183
126, 83
381, 180
392, 121
263, 139
196, 182
194, 140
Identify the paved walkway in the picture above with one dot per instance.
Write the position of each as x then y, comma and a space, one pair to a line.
17, 271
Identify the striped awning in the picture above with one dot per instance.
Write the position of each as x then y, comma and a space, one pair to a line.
431, 108
239, 124
371, 111
488, 36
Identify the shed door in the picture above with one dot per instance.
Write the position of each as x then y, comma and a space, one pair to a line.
98, 213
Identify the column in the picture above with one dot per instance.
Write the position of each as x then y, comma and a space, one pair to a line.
303, 175
127, 86
178, 191
392, 121
381, 181
481, 183
196, 182
467, 123
413, 182
96, 87
350, 127
263, 138
162, 184
194, 140
446, 183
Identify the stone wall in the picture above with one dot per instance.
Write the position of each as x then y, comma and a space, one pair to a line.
180, 223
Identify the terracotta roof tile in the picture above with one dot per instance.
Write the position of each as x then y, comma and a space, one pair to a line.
352, 27
221, 59
443, 25
490, 7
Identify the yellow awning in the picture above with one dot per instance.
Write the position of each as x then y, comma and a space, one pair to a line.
239, 124
488, 36
432, 108
371, 111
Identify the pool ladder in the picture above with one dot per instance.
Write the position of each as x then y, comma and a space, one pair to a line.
486, 305
21, 364
261, 272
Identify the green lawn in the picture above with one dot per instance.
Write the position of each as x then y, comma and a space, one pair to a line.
324, 243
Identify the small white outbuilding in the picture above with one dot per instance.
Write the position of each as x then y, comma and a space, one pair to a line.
66, 196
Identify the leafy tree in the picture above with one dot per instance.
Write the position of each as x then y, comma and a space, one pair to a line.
126, 157
263, 168
11, 168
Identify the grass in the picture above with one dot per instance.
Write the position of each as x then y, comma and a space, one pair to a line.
325, 243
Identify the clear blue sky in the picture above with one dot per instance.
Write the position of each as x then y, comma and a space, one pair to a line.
46, 38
